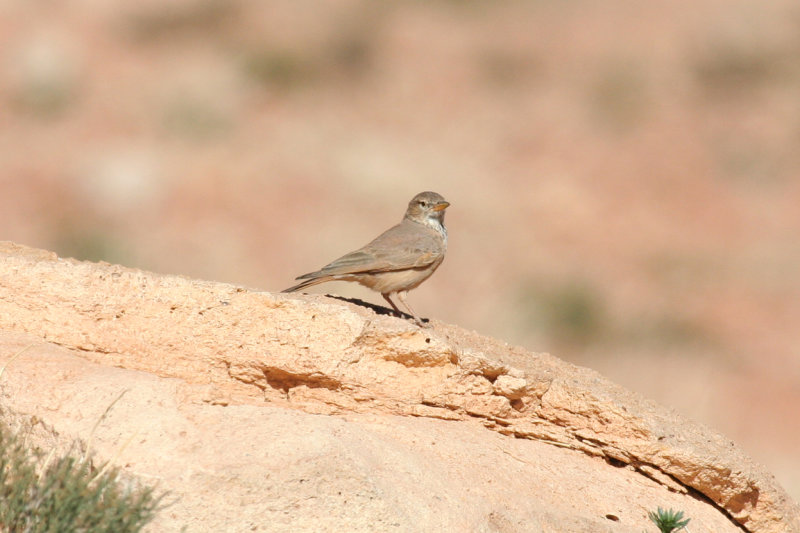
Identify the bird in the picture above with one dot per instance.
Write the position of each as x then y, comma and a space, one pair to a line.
396, 261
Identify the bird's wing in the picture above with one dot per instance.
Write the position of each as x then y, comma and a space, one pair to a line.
402, 247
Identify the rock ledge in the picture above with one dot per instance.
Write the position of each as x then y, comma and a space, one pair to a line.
205, 363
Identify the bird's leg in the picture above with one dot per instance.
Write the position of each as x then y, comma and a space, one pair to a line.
388, 299
402, 296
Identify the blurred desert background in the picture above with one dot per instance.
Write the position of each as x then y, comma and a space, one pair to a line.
624, 176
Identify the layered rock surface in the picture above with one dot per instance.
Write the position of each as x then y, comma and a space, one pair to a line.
271, 412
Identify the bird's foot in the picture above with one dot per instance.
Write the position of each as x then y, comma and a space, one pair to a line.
423, 324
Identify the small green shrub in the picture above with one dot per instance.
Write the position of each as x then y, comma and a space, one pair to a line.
668, 521
572, 311
281, 69
65, 494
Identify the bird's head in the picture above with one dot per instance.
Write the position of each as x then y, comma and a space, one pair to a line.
427, 208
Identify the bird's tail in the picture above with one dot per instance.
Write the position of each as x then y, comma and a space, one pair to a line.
308, 283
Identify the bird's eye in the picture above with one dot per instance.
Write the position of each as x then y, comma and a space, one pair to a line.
423, 203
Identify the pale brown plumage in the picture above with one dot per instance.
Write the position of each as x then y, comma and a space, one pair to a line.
399, 259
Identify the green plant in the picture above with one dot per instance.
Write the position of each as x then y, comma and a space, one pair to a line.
668, 521
619, 95
281, 68
571, 311
65, 494
208, 18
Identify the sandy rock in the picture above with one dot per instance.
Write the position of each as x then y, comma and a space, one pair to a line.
510, 387
268, 412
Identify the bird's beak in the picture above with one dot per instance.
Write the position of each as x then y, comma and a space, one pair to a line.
442, 206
